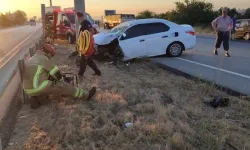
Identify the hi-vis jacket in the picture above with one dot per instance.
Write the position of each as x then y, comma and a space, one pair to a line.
38, 70
85, 43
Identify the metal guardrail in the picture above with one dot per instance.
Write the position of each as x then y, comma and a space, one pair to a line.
21, 66
15, 78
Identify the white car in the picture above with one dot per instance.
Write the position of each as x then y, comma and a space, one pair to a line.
147, 37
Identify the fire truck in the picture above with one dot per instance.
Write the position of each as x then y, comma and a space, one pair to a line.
63, 23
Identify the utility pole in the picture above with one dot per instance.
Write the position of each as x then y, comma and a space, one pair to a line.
43, 19
79, 6
50, 3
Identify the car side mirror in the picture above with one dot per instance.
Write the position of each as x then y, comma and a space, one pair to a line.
123, 36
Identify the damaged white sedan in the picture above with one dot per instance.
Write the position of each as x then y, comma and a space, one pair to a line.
145, 38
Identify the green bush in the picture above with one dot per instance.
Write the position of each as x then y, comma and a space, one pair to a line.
193, 12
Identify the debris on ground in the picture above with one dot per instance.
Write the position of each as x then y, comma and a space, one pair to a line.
218, 101
169, 110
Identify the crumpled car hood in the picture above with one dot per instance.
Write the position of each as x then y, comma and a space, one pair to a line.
105, 38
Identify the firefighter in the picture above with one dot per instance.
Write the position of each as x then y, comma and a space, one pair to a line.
42, 77
86, 59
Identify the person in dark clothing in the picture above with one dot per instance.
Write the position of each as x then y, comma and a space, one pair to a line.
86, 60
234, 26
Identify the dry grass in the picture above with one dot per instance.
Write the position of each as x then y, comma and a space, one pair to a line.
167, 111
204, 30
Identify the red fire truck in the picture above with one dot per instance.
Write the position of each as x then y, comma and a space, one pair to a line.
63, 21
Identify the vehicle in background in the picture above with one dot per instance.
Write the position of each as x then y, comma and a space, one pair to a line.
242, 29
111, 19
64, 24
145, 38
32, 22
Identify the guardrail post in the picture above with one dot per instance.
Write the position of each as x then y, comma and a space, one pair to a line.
31, 52
1, 144
43, 19
37, 46
40, 43
21, 67
34, 49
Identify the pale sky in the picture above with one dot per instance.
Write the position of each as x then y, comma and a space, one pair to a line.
96, 7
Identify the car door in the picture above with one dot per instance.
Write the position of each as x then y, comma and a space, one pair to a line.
240, 30
133, 44
157, 38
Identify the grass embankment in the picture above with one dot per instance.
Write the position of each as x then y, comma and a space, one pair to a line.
169, 111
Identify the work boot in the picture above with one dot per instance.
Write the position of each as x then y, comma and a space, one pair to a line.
91, 93
97, 73
215, 52
80, 78
34, 102
227, 54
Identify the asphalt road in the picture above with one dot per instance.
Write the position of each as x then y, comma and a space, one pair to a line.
14, 44
233, 72
10, 38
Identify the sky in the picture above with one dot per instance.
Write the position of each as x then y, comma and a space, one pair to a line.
96, 7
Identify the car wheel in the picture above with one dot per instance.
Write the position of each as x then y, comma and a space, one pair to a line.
175, 49
247, 36
70, 39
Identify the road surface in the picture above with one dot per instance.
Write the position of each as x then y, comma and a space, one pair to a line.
9, 38
233, 72
14, 44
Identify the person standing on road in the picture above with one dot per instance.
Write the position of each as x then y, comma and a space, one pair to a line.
222, 26
234, 26
86, 60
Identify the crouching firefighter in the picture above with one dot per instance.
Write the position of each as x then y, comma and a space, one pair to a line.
42, 77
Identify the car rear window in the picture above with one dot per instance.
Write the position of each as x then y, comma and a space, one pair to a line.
153, 28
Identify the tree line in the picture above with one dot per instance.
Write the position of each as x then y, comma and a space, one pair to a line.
12, 19
193, 12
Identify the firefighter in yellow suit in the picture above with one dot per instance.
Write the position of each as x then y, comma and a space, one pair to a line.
42, 77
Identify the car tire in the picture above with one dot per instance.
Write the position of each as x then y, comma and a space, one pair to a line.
247, 36
175, 49
70, 39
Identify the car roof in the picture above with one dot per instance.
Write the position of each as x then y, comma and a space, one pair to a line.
151, 20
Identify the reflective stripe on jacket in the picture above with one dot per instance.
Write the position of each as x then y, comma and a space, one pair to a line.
38, 69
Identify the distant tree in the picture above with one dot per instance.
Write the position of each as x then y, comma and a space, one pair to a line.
193, 12
5, 20
163, 15
145, 14
20, 17
247, 13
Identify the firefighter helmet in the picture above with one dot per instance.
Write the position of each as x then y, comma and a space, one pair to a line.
48, 48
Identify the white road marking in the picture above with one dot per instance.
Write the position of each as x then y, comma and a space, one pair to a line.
15, 49
215, 68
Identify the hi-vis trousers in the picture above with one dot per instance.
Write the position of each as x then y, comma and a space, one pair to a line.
48, 87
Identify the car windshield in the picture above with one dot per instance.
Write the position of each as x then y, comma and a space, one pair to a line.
89, 19
120, 28
71, 18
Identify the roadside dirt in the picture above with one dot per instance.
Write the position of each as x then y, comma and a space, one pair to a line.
167, 111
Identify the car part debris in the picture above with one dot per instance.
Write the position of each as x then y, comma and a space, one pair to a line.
218, 101
128, 124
